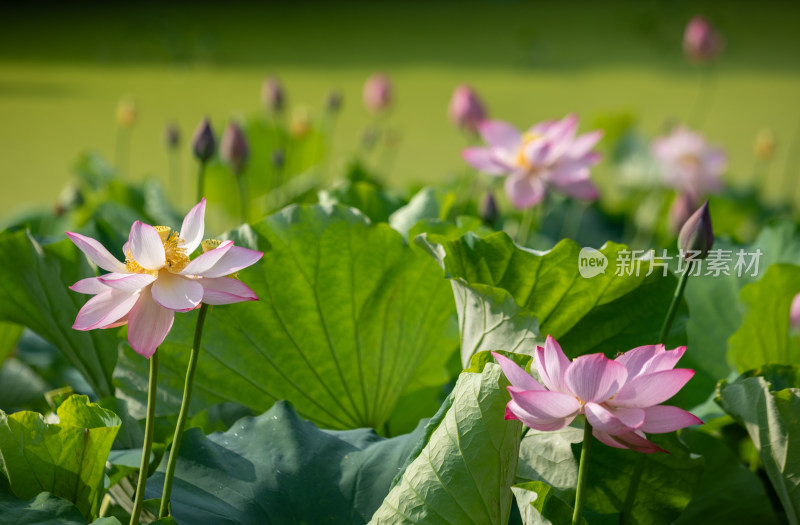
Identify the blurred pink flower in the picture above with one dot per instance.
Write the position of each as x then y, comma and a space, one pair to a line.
681, 209
620, 398
688, 163
548, 155
794, 313
378, 93
701, 42
466, 109
158, 278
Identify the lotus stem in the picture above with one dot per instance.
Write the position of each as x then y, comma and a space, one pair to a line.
184, 413
583, 470
148, 439
201, 179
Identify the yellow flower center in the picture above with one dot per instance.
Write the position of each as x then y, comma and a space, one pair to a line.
176, 256
527, 138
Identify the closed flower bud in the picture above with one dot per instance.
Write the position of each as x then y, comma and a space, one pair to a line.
466, 109
233, 148
794, 313
126, 113
333, 101
378, 93
272, 94
701, 42
697, 235
278, 158
488, 208
301, 123
172, 136
204, 143
765, 145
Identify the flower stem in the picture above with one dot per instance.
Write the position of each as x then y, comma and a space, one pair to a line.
184, 413
525, 226
583, 470
676, 301
633, 488
242, 197
201, 179
148, 439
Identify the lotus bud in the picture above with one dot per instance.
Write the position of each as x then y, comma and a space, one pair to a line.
278, 158
466, 109
697, 234
172, 136
233, 148
765, 145
204, 143
301, 123
488, 208
333, 102
378, 93
701, 42
126, 113
272, 94
794, 313
682, 208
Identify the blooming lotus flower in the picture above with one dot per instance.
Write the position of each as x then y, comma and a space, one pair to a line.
548, 155
701, 42
158, 278
466, 109
620, 398
688, 163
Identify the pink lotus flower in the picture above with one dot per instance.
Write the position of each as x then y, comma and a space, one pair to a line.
466, 108
378, 93
701, 42
688, 163
794, 313
158, 278
548, 155
620, 398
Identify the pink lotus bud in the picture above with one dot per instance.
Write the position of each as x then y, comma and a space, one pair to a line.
233, 148
378, 93
701, 42
682, 208
272, 94
204, 143
697, 234
794, 313
172, 136
466, 108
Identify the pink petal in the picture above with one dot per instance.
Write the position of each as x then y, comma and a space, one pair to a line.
609, 421
583, 144
146, 246
637, 359
234, 260
514, 411
148, 325
224, 290
648, 390
104, 309
90, 285
193, 226
516, 375
665, 418
207, 260
96, 252
524, 192
483, 160
595, 378
577, 186
634, 440
499, 133
552, 364
544, 404
127, 282
177, 293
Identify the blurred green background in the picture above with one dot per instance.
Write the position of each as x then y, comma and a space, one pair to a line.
64, 67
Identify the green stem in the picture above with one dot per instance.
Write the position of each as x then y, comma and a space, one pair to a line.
705, 94
201, 180
243, 197
184, 413
525, 226
633, 488
583, 471
148, 439
676, 301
